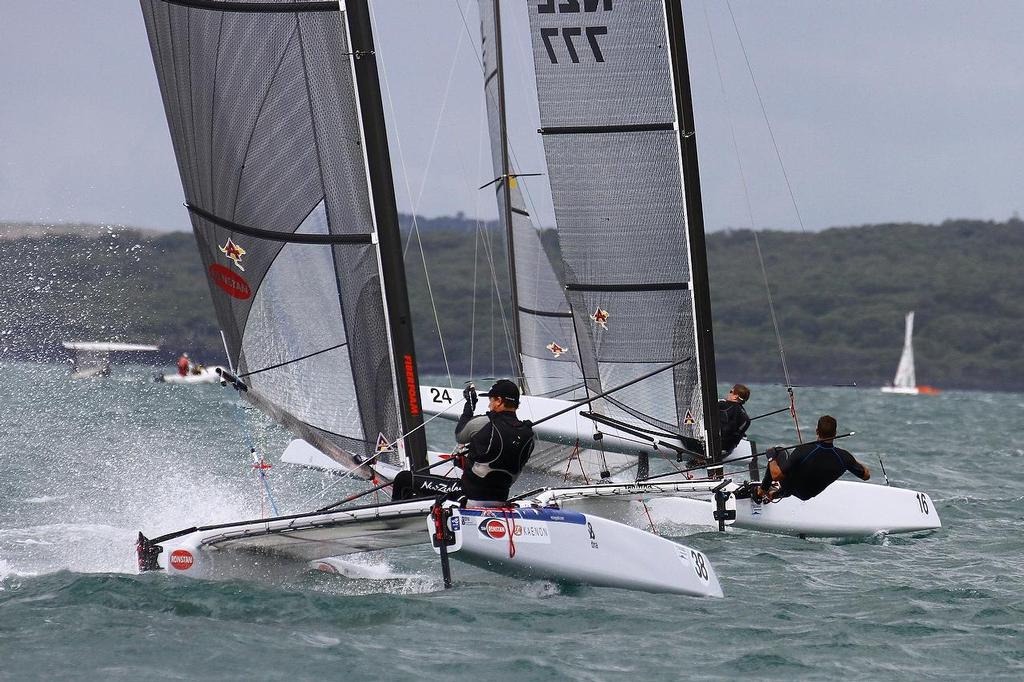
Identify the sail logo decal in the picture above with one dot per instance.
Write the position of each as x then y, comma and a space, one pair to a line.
411, 387
182, 559
494, 529
230, 282
600, 316
688, 419
234, 253
383, 445
555, 349
522, 531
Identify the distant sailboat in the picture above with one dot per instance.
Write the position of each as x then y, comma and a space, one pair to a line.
906, 381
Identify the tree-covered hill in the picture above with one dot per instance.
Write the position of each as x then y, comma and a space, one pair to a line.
840, 297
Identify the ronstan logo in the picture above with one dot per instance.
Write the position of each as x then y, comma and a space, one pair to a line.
182, 559
231, 282
493, 528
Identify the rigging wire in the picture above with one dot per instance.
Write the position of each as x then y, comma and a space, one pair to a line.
764, 113
259, 465
750, 209
369, 460
524, 189
408, 188
481, 237
433, 140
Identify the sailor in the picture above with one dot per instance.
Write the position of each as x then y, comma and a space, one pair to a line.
810, 468
183, 364
733, 418
497, 445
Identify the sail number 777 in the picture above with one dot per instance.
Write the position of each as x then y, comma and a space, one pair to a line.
570, 34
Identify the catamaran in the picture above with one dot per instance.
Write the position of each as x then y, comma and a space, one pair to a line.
634, 304
198, 375
905, 381
277, 124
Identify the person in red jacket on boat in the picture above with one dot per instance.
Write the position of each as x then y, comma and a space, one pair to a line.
810, 468
183, 365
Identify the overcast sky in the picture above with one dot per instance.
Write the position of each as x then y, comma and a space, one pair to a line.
882, 111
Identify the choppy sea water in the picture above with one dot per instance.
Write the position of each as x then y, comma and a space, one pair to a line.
85, 465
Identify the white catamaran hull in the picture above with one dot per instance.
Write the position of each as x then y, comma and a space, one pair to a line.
844, 509
582, 548
549, 543
570, 428
246, 548
902, 390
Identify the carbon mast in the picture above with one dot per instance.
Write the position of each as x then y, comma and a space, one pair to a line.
506, 199
382, 194
704, 337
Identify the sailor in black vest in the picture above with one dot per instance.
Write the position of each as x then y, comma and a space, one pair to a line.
498, 445
733, 419
810, 468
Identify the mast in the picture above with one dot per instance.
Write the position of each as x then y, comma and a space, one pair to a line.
695, 230
506, 193
382, 192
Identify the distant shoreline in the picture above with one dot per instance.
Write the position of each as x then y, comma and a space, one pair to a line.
18, 230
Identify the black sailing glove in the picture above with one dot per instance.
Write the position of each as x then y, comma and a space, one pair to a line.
469, 393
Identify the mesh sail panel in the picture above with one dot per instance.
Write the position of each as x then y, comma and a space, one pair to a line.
550, 355
261, 108
608, 120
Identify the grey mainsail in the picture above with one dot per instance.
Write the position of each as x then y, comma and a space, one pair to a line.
283, 177
611, 109
549, 354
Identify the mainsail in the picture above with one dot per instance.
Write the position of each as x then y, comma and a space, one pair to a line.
905, 371
547, 342
617, 130
274, 111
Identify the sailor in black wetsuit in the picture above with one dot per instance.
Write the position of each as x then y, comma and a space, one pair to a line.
498, 445
733, 418
810, 468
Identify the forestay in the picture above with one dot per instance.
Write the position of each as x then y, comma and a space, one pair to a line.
261, 100
608, 112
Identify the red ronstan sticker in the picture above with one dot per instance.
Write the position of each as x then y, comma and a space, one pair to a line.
601, 317
555, 349
493, 528
182, 559
231, 282
234, 252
